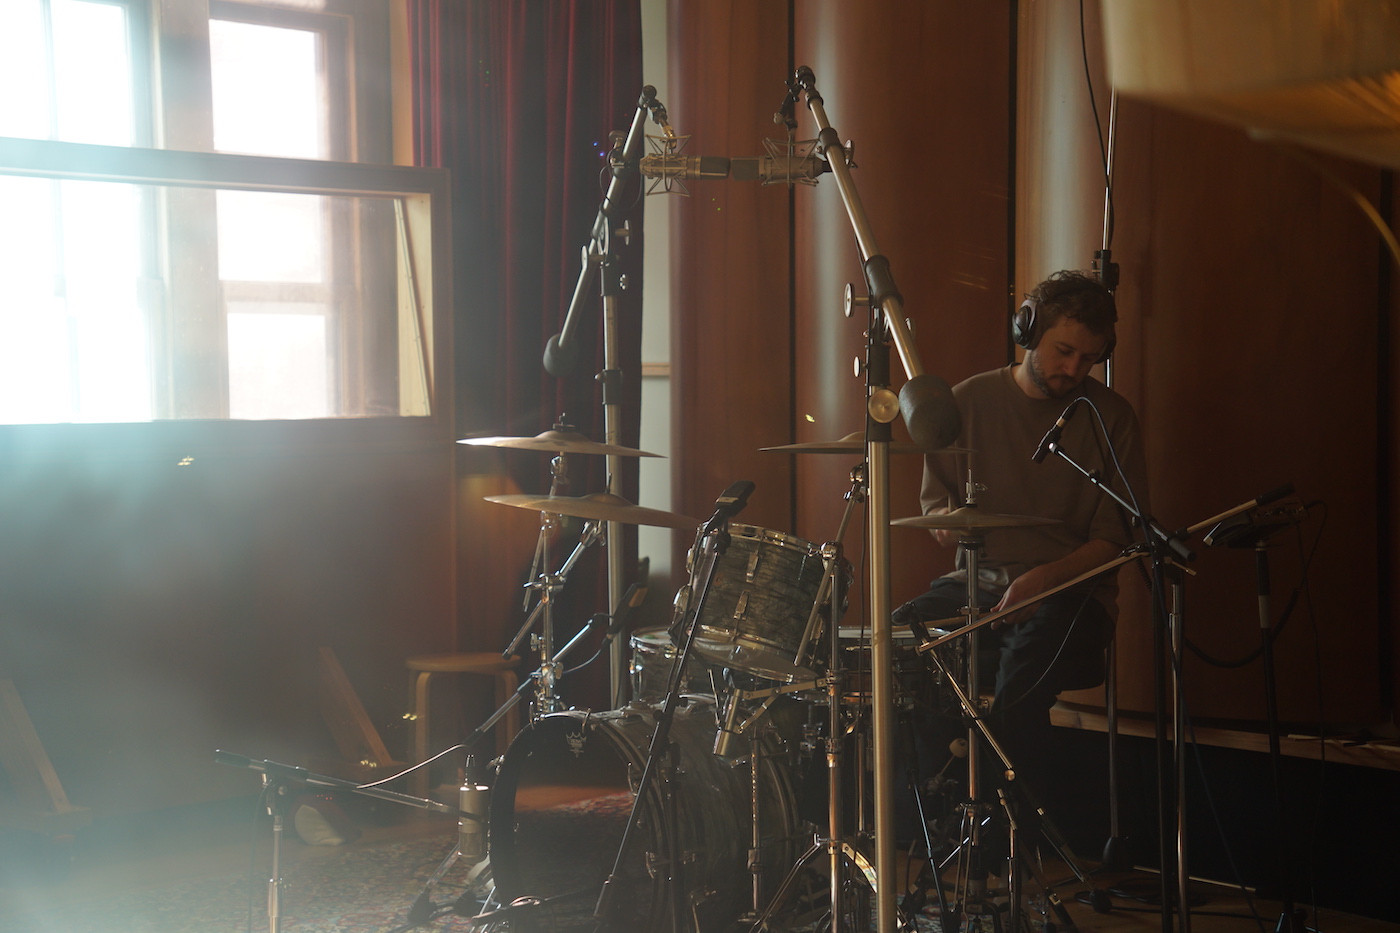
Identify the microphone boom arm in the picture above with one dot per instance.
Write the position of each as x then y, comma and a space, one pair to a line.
561, 349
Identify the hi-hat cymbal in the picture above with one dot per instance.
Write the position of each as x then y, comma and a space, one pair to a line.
564, 442
972, 519
603, 506
855, 443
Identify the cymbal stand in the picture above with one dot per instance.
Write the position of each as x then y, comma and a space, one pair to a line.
970, 887
599, 258
926, 403
840, 851
548, 585
972, 872
827, 592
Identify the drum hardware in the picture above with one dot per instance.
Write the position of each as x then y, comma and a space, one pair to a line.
547, 586
596, 509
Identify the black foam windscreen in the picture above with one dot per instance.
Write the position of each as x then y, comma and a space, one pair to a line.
930, 412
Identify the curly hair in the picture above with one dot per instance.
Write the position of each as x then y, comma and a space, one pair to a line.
1078, 296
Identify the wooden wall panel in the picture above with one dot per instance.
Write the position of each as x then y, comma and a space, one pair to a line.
1249, 309
731, 300
1256, 285
932, 155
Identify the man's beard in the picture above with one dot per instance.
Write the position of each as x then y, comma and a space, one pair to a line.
1062, 386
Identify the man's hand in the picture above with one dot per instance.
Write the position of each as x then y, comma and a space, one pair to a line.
1031, 583
1037, 580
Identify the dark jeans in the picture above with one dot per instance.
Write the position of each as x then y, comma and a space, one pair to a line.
1060, 647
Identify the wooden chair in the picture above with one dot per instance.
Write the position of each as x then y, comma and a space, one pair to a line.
480, 663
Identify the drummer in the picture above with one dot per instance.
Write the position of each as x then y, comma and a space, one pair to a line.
1066, 326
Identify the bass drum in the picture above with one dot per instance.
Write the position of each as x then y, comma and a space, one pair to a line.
562, 800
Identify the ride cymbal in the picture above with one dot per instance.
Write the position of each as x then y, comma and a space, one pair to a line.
602, 506
855, 443
972, 519
563, 442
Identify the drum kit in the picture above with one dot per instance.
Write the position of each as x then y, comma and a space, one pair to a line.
685, 807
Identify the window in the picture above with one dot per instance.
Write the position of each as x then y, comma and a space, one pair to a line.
136, 285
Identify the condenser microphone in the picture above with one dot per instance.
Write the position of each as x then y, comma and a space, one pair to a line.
658, 165
1052, 436
474, 800
777, 170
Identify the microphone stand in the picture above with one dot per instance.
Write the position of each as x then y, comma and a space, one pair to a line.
1169, 635
713, 542
882, 408
1256, 531
276, 778
561, 352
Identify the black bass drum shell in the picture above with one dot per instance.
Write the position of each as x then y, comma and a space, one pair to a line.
563, 796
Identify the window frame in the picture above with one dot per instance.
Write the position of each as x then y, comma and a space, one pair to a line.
423, 266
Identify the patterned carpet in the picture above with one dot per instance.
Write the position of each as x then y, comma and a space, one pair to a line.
174, 883
353, 889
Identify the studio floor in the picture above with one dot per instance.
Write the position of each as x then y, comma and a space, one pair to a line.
205, 870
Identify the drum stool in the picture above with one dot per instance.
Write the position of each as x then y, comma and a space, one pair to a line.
484, 663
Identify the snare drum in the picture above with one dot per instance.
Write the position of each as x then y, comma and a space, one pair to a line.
756, 612
918, 682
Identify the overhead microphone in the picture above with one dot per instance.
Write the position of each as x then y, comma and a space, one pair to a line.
1052, 436
670, 166
778, 169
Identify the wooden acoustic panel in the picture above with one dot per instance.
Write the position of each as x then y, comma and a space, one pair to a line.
929, 120
731, 300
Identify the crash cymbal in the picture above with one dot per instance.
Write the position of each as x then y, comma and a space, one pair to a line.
972, 519
563, 442
855, 443
603, 506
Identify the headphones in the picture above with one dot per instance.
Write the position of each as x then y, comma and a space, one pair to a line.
1025, 328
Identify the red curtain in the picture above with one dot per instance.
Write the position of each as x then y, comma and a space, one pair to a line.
517, 99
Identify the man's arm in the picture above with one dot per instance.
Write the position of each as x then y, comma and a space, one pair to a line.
1037, 580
